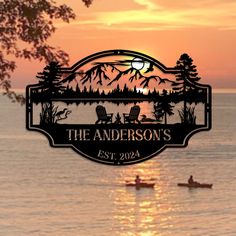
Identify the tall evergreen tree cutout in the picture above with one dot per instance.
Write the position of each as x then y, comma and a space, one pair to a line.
49, 80
184, 78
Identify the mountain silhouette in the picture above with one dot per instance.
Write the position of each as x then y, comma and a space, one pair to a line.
98, 72
135, 74
102, 71
72, 77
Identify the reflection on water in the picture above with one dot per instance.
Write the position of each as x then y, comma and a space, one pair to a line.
86, 114
136, 211
141, 212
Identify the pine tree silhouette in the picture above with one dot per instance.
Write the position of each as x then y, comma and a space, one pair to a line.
50, 78
77, 89
163, 107
118, 88
184, 79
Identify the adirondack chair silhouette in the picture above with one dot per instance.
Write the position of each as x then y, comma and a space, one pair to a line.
102, 115
133, 115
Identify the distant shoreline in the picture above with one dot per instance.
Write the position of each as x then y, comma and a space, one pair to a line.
214, 90
225, 90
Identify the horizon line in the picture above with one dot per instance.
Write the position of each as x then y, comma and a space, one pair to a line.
214, 90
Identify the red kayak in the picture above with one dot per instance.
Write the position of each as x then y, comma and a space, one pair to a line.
195, 185
141, 185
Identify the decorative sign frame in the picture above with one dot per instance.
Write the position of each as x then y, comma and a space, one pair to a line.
119, 107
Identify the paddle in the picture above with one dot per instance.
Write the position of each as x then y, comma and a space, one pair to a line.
142, 180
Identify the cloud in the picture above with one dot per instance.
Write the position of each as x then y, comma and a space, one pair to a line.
150, 5
165, 15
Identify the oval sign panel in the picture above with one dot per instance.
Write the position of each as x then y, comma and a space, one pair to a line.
119, 107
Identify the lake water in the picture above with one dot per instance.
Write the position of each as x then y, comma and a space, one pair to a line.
55, 192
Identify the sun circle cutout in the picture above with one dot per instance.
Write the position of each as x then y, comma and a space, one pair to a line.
137, 63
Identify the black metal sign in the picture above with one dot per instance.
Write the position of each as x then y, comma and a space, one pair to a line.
119, 107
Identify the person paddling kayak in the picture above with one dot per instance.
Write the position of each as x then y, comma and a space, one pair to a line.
191, 181
137, 180
138, 183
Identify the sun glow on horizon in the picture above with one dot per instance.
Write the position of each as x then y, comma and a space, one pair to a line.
143, 90
161, 29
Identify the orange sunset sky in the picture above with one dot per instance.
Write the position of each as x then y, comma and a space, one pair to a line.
163, 29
